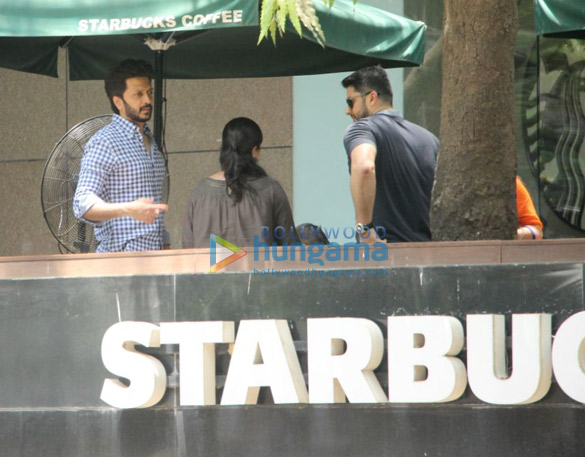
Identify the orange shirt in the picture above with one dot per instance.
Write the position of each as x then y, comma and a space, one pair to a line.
526, 211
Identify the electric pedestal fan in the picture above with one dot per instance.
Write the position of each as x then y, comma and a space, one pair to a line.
60, 181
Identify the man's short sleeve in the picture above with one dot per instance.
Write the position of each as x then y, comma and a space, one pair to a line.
359, 132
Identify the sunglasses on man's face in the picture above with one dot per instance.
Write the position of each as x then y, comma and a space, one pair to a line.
349, 100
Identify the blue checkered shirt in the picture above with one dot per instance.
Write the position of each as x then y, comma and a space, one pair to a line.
116, 168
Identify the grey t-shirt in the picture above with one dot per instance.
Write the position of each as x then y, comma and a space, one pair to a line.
405, 170
211, 210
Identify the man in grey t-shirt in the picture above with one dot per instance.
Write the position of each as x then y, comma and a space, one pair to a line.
391, 161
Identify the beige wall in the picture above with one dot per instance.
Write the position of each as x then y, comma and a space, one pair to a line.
38, 110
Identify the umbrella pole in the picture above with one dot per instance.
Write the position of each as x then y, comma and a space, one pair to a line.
158, 98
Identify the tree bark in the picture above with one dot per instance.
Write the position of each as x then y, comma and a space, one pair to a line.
474, 195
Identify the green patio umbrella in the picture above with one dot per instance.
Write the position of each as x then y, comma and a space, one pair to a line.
204, 38
560, 18
197, 39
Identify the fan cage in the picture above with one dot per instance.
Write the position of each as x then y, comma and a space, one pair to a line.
59, 182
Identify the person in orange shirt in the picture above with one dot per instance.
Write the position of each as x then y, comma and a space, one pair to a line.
529, 224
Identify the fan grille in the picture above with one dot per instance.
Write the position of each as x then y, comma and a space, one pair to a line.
59, 184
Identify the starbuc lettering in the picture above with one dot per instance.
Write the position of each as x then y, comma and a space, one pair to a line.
342, 356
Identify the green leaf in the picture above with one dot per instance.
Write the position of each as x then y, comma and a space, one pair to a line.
273, 31
294, 17
266, 17
281, 13
309, 18
301, 13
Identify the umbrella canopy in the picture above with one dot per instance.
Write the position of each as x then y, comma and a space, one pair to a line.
560, 18
201, 38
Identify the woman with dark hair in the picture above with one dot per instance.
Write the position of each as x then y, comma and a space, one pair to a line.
237, 202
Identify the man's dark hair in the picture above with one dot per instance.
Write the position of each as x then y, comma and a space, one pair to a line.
370, 78
115, 81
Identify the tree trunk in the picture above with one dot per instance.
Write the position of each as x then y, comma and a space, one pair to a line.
474, 194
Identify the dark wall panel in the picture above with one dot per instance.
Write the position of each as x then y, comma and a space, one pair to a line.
51, 370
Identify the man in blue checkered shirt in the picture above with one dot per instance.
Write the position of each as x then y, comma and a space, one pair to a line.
119, 190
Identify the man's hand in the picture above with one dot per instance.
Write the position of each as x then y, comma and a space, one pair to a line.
529, 232
369, 236
145, 210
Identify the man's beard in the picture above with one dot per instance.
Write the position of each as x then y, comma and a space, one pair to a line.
134, 115
363, 113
